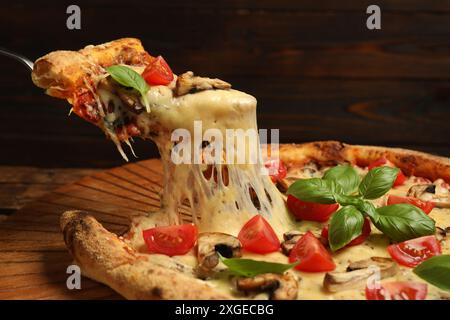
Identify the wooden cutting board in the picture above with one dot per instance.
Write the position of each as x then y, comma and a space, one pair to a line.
33, 257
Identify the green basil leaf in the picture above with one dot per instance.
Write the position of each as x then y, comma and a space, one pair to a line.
345, 175
402, 222
131, 79
345, 225
251, 268
436, 271
377, 182
345, 200
315, 190
368, 209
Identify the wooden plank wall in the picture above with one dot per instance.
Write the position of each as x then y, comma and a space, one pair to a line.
317, 72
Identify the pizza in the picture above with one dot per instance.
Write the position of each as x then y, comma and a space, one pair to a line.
329, 221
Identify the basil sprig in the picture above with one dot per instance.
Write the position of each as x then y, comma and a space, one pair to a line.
251, 268
436, 271
344, 175
345, 225
399, 222
403, 222
130, 79
377, 182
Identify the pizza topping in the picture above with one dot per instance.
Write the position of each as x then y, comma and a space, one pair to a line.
158, 72
311, 211
311, 254
131, 79
438, 193
398, 290
365, 233
171, 240
425, 206
399, 221
385, 162
211, 244
258, 236
413, 252
279, 286
277, 170
435, 271
358, 273
188, 83
442, 233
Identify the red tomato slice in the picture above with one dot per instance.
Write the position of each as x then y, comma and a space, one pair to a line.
401, 178
410, 253
171, 240
277, 170
258, 236
366, 229
426, 206
398, 290
309, 210
313, 256
158, 72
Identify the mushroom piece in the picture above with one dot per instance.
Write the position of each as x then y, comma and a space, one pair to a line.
309, 170
187, 83
209, 244
441, 233
290, 239
437, 192
279, 286
358, 272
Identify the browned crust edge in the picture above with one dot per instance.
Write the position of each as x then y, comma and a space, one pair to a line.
102, 256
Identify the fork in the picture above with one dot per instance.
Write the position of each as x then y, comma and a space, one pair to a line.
24, 60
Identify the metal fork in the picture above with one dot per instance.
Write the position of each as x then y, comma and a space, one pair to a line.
27, 62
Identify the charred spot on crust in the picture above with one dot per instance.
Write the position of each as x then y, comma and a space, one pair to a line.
157, 292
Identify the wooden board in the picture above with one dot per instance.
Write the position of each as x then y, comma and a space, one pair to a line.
33, 257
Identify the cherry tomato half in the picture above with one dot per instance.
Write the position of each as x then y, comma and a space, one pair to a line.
158, 72
309, 210
171, 240
312, 254
277, 170
426, 206
258, 236
399, 290
410, 253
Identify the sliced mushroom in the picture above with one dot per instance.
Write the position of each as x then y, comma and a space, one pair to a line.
279, 286
290, 239
187, 83
442, 233
310, 170
437, 192
358, 272
209, 244
131, 100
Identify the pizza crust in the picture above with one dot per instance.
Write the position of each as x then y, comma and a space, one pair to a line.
62, 73
104, 257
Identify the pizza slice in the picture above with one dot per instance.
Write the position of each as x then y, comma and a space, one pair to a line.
344, 213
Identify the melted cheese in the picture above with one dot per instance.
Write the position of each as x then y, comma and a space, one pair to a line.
224, 207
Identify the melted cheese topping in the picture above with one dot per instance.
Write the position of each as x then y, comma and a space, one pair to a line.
222, 204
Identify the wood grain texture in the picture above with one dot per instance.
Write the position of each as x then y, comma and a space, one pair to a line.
316, 70
33, 257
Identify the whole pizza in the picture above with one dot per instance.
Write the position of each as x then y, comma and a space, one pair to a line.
320, 220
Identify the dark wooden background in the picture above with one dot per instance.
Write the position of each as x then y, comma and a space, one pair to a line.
317, 71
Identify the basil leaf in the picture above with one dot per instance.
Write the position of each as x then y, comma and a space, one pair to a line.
368, 209
344, 200
251, 268
377, 182
436, 271
315, 190
402, 222
131, 79
344, 175
345, 225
